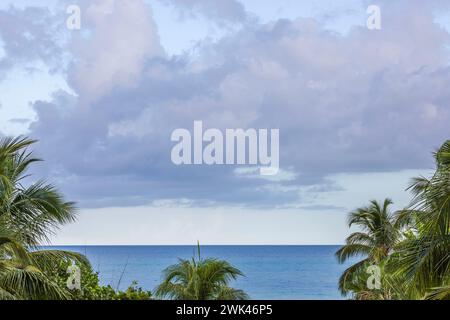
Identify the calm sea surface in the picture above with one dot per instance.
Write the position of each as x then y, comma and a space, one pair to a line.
272, 272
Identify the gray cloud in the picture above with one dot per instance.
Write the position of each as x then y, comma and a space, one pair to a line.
364, 102
29, 35
124, 37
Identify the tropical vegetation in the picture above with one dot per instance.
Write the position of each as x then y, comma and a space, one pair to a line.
29, 215
200, 279
402, 254
410, 248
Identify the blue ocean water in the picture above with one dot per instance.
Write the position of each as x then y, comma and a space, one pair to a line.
271, 272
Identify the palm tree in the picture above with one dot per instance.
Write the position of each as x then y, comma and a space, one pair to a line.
22, 278
33, 212
378, 236
442, 293
200, 279
423, 258
28, 215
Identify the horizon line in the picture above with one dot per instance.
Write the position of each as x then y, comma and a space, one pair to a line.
190, 245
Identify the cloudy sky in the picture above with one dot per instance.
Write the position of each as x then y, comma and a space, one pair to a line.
359, 111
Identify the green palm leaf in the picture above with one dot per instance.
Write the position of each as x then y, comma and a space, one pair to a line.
200, 279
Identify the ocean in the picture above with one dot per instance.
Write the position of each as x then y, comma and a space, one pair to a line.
271, 272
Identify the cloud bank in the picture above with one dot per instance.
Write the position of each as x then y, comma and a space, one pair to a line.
367, 101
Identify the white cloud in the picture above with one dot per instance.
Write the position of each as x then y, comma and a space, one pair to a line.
123, 37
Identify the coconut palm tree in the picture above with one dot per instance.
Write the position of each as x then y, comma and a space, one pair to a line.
21, 277
200, 279
28, 215
424, 257
442, 293
374, 242
34, 212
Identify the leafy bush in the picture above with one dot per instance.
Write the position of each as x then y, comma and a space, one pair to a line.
91, 289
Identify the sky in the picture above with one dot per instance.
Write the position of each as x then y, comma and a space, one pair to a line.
359, 111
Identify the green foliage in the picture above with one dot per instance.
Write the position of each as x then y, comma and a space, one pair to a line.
32, 212
424, 258
28, 216
200, 279
133, 293
91, 289
374, 242
412, 247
